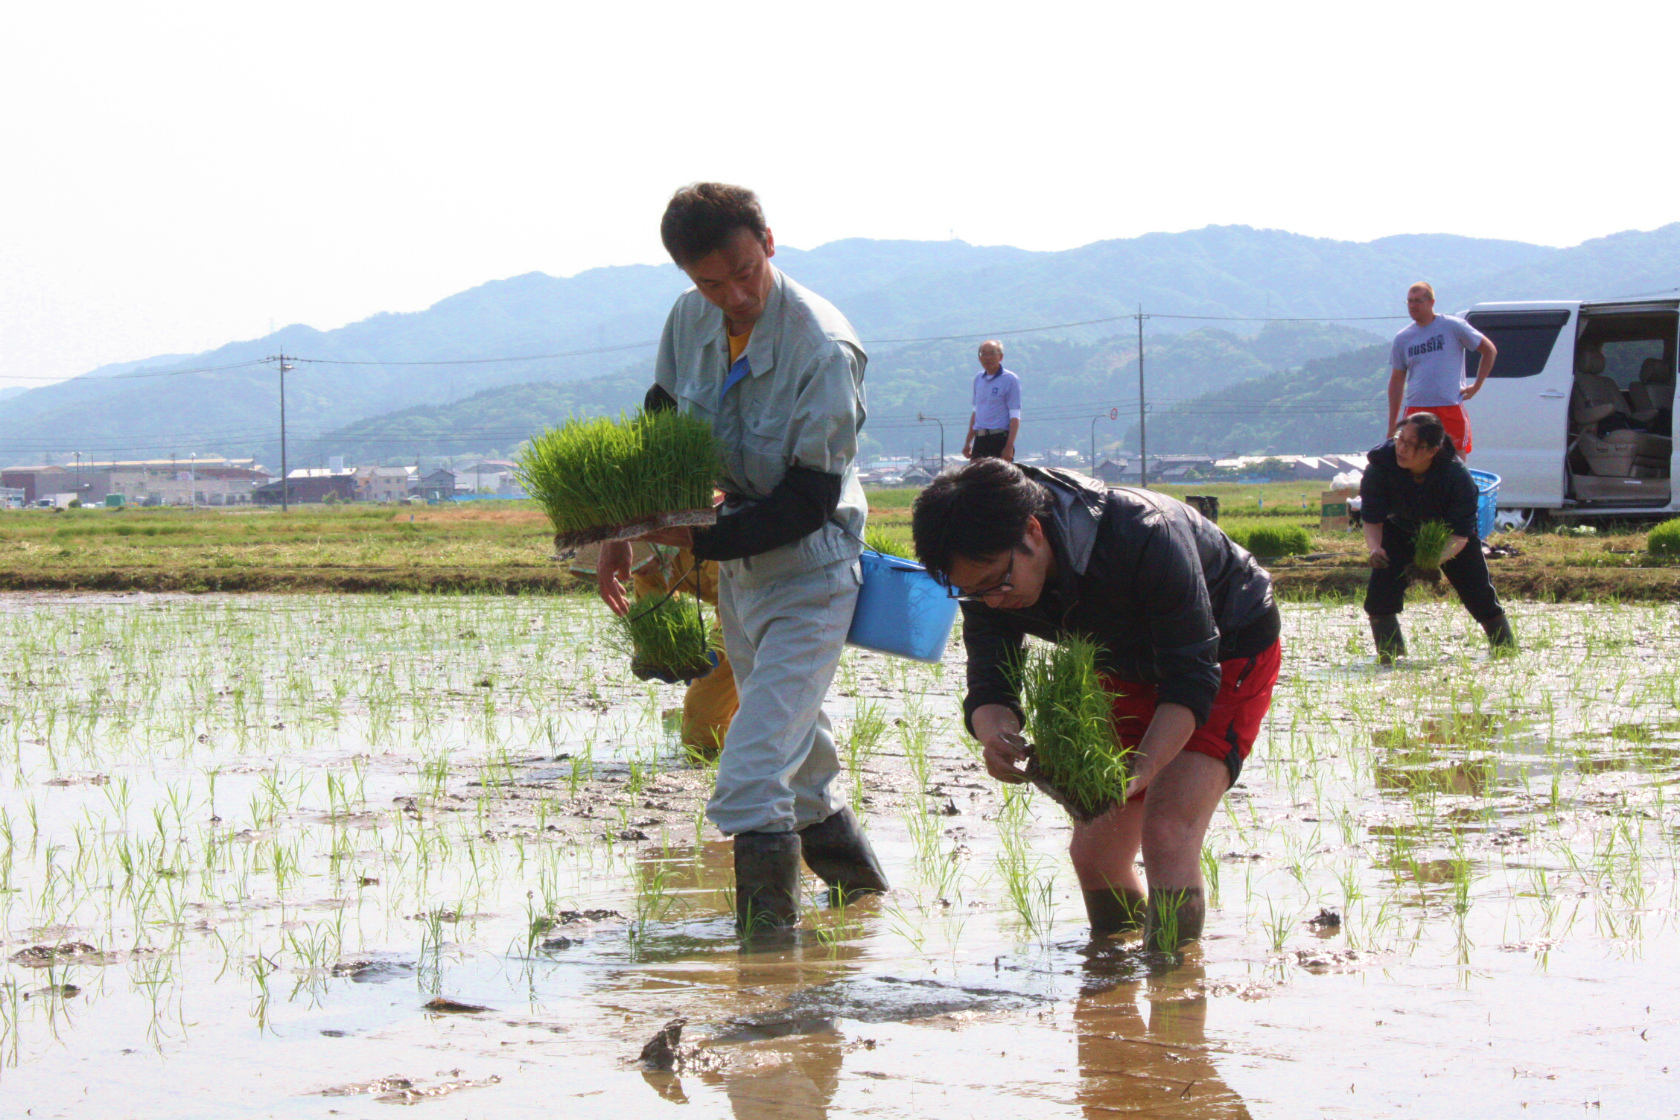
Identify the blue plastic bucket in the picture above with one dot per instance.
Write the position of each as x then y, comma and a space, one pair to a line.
901, 610
1487, 501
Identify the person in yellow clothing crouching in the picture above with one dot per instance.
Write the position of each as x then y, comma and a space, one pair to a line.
711, 701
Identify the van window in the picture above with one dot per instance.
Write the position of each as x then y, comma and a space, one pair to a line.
1524, 339
1624, 359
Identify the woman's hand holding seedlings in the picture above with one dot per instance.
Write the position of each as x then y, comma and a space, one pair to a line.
1379, 558
1001, 743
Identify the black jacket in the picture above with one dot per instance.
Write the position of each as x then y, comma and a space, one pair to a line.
1388, 492
1164, 593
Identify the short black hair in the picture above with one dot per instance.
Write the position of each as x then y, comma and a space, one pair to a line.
974, 512
701, 218
1428, 430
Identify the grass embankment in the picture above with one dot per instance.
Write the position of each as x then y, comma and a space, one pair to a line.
504, 548
499, 547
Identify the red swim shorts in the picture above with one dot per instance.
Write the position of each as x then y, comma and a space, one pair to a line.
1244, 697
1455, 420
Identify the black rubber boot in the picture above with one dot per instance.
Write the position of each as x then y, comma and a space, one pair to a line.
839, 852
1113, 911
1500, 635
1391, 643
766, 881
1175, 918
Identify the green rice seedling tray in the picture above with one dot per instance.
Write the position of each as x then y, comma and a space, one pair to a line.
596, 534
602, 479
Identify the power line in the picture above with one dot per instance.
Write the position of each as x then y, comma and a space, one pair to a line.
477, 361
988, 332
1277, 319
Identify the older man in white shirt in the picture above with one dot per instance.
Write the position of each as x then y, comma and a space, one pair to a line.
996, 419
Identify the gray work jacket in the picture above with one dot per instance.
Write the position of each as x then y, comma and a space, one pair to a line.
801, 404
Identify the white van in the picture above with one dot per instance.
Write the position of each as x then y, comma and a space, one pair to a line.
1578, 414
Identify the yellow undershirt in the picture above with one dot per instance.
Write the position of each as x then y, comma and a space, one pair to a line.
738, 345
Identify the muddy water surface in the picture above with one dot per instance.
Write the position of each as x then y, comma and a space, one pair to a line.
331, 856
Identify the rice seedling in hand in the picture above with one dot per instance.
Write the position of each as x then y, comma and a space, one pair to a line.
601, 479
667, 638
1432, 539
1076, 758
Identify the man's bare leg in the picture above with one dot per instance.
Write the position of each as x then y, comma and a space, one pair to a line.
1177, 809
1104, 853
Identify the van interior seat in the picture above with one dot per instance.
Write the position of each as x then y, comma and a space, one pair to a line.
1596, 397
1609, 456
1602, 417
1653, 394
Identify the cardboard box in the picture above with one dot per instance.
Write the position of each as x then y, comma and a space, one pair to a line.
1333, 514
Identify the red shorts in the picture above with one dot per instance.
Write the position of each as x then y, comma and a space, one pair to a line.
1245, 695
1455, 420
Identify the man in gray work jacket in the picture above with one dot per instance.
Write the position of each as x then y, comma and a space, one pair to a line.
778, 373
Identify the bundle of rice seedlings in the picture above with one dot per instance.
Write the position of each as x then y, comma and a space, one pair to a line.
1076, 758
1275, 541
603, 479
667, 637
887, 543
1432, 537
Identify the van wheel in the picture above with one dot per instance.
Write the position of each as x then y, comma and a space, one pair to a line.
1518, 520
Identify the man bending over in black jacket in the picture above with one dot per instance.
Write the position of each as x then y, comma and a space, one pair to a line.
1188, 634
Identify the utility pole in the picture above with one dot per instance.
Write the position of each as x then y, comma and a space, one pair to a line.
1143, 433
285, 476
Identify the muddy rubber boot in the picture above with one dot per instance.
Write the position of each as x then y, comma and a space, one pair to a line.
766, 881
1391, 643
1113, 911
1500, 635
839, 852
1175, 918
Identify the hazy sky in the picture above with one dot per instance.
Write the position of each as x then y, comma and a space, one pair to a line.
176, 176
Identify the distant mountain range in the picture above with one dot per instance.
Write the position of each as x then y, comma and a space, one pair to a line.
580, 343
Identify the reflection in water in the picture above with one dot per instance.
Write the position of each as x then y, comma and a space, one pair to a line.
779, 1056
1412, 764
1159, 1066
796, 1082
1468, 777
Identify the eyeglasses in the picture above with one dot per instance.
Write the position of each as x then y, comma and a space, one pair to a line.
1007, 583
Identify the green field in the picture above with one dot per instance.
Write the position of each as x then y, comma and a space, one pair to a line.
507, 547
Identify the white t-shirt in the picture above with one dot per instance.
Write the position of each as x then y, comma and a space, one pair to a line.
1433, 358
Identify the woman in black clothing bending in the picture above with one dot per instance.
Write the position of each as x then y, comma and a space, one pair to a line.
1413, 478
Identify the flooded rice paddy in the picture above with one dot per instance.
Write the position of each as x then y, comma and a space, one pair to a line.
330, 856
